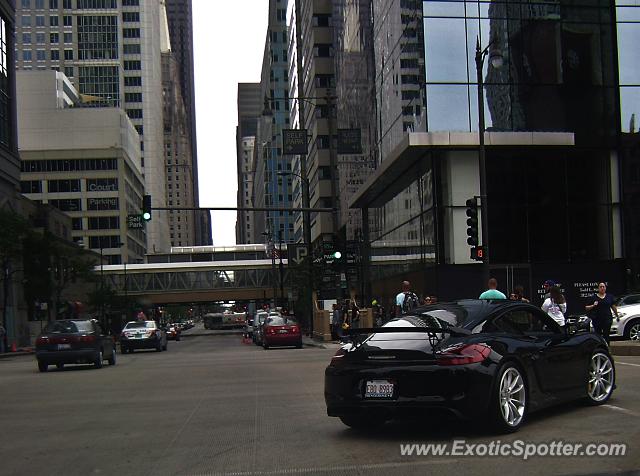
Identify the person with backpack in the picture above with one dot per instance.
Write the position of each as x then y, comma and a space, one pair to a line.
406, 300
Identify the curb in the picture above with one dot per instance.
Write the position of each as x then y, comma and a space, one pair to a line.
8, 355
625, 349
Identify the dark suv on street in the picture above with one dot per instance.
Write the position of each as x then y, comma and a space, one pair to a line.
74, 342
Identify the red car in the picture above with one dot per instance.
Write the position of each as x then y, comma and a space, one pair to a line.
281, 330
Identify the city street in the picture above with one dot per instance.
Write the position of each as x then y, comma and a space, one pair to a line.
212, 405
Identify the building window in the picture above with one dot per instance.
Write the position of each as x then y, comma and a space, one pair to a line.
25, 20
132, 65
68, 55
70, 185
131, 49
133, 97
53, 4
26, 55
39, 20
67, 20
132, 80
54, 21
97, 37
40, 55
131, 32
54, 38
130, 17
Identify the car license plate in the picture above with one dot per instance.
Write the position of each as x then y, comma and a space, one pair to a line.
283, 331
64, 346
378, 389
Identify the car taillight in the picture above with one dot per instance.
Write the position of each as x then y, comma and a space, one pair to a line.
271, 331
42, 340
338, 357
462, 354
295, 329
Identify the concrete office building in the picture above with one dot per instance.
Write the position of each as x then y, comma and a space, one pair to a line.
560, 138
249, 104
83, 161
111, 52
180, 19
312, 80
177, 151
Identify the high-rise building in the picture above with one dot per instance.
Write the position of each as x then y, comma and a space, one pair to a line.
311, 81
249, 109
9, 159
272, 185
180, 19
177, 151
560, 101
111, 52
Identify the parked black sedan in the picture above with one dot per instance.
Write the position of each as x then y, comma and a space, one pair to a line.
483, 360
74, 342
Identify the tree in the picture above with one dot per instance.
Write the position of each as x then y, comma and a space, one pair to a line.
13, 229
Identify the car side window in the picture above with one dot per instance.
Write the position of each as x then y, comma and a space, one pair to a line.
526, 321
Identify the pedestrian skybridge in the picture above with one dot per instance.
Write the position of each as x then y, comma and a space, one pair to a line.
209, 274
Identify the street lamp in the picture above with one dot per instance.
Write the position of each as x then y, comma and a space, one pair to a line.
496, 59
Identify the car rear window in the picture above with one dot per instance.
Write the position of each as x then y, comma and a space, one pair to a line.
68, 327
281, 321
140, 325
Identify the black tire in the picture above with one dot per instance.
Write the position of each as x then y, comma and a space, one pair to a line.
635, 325
265, 346
364, 422
510, 418
112, 359
42, 366
601, 370
60, 366
130, 350
97, 363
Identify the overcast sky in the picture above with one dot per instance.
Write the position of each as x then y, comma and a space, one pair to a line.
228, 43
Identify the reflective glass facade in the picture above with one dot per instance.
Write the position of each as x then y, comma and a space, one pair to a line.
558, 71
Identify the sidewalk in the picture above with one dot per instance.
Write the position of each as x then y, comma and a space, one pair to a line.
625, 347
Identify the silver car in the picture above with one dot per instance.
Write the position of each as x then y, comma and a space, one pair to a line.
627, 324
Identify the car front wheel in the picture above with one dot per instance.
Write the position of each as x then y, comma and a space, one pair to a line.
509, 399
42, 366
632, 330
601, 380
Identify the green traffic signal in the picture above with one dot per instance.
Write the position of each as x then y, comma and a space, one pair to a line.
337, 255
146, 207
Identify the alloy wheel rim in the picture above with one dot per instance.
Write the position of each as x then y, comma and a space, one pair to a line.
512, 397
634, 332
600, 377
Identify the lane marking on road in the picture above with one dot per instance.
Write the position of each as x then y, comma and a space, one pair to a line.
621, 410
327, 469
627, 363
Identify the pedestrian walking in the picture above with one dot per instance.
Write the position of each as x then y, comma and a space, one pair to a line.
492, 292
518, 294
335, 321
406, 300
555, 305
600, 311
3, 336
354, 314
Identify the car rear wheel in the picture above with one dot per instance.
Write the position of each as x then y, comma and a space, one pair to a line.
265, 346
632, 331
42, 366
509, 399
112, 359
97, 363
364, 422
601, 378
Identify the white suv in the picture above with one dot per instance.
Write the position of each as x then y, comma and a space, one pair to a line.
627, 324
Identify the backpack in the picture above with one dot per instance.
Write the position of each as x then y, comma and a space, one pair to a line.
410, 302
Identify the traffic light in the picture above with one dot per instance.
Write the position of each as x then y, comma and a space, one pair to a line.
146, 207
336, 255
472, 221
477, 253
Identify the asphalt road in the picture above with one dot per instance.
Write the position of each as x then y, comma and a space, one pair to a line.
212, 405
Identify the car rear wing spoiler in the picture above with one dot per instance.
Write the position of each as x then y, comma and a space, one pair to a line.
455, 331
